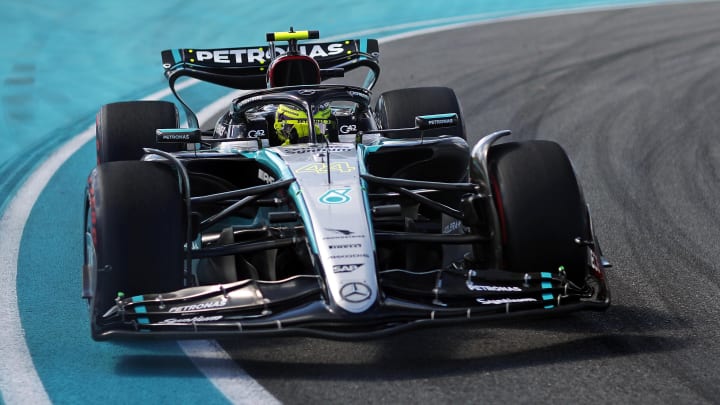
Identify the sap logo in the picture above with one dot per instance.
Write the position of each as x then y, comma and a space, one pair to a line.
348, 129
346, 268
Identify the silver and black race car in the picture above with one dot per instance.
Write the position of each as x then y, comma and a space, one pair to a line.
310, 210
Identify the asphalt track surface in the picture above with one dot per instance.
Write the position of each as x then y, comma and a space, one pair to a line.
633, 95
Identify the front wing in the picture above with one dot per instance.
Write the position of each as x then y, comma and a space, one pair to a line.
299, 306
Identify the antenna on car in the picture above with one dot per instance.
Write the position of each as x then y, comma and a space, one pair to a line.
327, 158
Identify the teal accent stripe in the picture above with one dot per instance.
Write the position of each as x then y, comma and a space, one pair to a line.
275, 163
371, 148
178, 130
296, 195
176, 56
438, 116
547, 285
363, 189
141, 309
281, 169
363, 47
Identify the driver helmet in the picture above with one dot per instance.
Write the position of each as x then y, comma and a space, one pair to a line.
291, 123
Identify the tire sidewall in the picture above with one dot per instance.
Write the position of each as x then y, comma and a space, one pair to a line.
137, 228
541, 208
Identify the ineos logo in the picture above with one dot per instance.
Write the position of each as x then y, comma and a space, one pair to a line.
355, 292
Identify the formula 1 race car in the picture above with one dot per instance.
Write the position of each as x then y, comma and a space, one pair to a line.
309, 210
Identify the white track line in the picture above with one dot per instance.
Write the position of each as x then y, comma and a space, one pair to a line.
225, 374
19, 380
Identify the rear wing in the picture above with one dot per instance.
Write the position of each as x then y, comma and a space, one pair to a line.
246, 67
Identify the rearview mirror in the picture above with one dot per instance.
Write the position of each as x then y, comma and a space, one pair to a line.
424, 122
178, 135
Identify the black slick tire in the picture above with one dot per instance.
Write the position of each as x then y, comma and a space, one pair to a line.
123, 129
135, 233
398, 109
541, 208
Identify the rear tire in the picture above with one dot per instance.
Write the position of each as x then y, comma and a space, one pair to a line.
541, 208
123, 129
135, 233
398, 109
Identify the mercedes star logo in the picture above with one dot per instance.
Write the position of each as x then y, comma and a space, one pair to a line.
355, 292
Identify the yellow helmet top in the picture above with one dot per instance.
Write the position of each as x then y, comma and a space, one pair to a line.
291, 123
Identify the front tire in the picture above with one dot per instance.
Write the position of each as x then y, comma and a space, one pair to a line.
135, 234
398, 109
123, 129
541, 207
